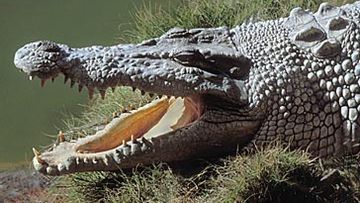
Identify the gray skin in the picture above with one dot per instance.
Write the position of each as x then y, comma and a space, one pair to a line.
293, 79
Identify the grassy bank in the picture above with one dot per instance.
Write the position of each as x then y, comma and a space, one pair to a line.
271, 175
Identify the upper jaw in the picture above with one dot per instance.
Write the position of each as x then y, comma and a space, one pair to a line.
179, 63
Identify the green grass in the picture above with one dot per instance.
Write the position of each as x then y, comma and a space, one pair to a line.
272, 175
152, 20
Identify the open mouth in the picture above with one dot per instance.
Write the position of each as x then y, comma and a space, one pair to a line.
159, 117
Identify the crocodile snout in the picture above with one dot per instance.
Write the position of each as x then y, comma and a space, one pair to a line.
39, 57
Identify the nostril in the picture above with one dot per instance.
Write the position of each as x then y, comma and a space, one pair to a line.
48, 46
52, 49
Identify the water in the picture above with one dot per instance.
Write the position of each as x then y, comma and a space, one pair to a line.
27, 111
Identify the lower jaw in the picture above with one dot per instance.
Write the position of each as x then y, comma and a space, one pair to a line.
129, 134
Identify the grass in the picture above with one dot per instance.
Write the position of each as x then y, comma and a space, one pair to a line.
271, 175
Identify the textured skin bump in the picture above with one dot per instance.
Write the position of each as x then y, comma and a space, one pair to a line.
294, 79
321, 32
308, 81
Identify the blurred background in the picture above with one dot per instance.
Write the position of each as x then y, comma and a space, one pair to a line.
27, 111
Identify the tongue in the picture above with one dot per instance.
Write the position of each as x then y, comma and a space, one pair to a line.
170, 118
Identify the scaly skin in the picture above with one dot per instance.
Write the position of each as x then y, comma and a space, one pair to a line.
293, 79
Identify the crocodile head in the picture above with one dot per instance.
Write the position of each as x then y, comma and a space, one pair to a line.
205, 113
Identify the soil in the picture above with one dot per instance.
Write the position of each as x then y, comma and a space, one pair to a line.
22, 185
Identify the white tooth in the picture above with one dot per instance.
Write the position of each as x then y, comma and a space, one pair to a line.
50, 170
94, 161
106, 161
36, 152
60, 167
31, 77
117, 159
61, 136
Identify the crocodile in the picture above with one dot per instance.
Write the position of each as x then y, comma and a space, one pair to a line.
293, 79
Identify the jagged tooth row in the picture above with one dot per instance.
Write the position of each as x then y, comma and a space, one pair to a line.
124, 151
131, 148
102, 91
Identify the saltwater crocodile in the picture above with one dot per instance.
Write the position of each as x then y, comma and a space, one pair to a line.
293, 79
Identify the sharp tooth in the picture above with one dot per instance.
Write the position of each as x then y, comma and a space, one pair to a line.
123, 142
132, 138
80, 87
66, 78
143, 139
117, 158
50, 170
78, 160
102, 93
36, 152
31, 77
115, 114
60, 167
126, 149
125, 110
43, 82
61, 136
91, 92
105, 161
37, 156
